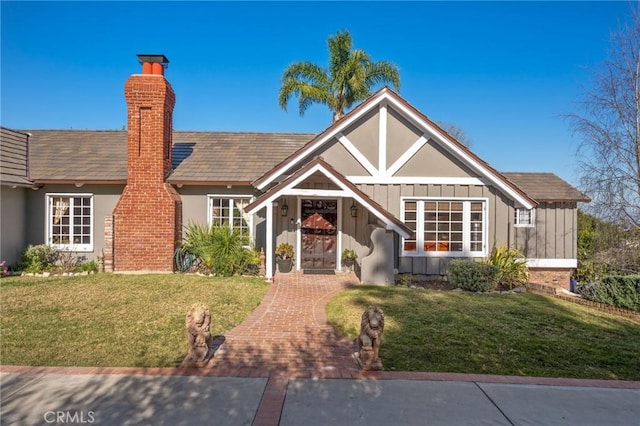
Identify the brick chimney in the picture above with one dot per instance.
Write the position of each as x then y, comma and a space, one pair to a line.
147, 220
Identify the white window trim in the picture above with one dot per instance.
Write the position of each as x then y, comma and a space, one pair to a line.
532, 217
48, 237
466, 242
250, 198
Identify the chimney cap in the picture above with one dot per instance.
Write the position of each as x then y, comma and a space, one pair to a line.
153, 58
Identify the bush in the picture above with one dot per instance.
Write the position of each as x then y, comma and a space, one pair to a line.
218, 249
511, 264
38, 258
472, 276
617, 290
90, 266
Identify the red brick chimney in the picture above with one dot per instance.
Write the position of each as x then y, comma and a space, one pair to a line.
148, 217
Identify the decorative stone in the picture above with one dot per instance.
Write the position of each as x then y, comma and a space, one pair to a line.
199, 340
371, 328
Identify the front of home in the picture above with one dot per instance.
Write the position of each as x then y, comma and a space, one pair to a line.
384, 181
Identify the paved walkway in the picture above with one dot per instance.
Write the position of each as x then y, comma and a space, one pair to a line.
285, 365
288, 332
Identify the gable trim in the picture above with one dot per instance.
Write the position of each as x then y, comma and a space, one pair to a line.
407, 155
464, 154
389, 97
408, 180
382, 141
287, 187
357, 154
322, 138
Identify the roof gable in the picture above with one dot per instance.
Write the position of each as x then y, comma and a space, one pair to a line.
319, 166
382, 163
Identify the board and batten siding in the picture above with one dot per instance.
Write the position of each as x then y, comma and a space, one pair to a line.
500, 213
555, 234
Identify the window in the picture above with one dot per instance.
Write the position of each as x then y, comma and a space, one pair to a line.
444, 227
524, 218
229, 210
70, 221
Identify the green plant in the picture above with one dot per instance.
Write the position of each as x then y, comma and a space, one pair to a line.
219, 250
90, 266
349, 254
38, 258
616, 290
511, 264
284, 251
67, 261
405, 280
472, 276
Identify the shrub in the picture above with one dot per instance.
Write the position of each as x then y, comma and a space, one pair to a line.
90, 266
617, 290
38, 258
511, 264
472, 276
67, 261
218, 249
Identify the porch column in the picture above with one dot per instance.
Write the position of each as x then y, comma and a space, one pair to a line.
269, 242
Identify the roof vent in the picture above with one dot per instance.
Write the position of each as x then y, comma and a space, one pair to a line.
152, 63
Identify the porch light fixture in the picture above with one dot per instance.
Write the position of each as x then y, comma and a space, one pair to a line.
284, 208
354, 210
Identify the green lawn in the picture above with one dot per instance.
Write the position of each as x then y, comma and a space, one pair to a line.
510, 334
114, 320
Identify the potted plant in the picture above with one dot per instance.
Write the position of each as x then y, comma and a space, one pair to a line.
284, 257
349, 257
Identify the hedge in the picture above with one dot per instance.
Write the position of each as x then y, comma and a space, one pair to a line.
622, 291
472, 276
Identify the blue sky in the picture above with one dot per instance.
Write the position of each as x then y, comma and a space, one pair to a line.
505, 72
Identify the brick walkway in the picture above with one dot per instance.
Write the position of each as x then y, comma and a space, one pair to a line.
288, 333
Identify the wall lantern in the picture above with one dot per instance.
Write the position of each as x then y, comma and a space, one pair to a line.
354, 210
285, 208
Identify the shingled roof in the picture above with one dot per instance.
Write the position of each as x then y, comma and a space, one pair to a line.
546, 187
230, 157
198, 157
13, 158
78, 155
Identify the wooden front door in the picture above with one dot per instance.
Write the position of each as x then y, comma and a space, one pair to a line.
319, 231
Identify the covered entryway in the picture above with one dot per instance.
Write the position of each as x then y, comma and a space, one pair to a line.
319, 234
318, 223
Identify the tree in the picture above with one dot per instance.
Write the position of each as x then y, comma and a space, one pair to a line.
457, 132
605, 248
609, 125
350, 78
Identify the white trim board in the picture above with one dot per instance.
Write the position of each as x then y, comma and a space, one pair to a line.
409, 180
552, 263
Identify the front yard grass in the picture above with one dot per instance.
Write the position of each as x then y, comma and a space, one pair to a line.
508, 334
108, 320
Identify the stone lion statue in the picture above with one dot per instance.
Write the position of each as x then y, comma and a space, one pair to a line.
198, 323
371, 328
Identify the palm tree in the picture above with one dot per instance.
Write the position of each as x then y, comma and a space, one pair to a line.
349, 79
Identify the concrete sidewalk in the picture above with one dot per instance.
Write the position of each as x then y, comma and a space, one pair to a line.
116, 399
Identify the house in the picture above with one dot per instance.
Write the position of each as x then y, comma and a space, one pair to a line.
384, 180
